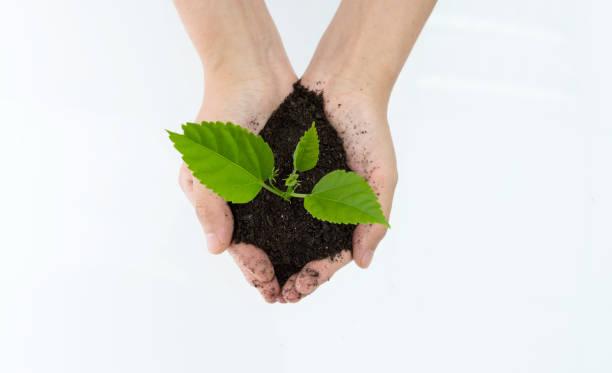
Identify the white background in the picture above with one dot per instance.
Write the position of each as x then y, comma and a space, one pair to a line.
500, 256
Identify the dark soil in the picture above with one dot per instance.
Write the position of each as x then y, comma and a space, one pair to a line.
286, 231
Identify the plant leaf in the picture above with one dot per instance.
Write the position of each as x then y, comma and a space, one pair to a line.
344, 197
226, 158
306, 154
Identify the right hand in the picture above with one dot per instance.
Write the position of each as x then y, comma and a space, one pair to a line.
360, 118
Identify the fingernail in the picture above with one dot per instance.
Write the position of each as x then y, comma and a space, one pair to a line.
366, 258
212, 243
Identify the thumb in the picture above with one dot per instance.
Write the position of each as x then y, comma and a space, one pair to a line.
367, 236
215, 217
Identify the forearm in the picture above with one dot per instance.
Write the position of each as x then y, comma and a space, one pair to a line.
236, 39
369, 41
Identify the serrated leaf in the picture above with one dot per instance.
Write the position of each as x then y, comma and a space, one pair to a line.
306, 154
226, 158
344, 197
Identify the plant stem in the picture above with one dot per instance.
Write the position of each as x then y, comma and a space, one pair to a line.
280, 193
274, 190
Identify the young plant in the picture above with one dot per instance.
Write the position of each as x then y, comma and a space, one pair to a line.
236, 164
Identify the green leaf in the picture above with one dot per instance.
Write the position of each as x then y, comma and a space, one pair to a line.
306, 154
226, 158
292, 180
344, 197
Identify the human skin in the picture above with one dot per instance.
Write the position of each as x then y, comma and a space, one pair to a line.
356, 65
244, 91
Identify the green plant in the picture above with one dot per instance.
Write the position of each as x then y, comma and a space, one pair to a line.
237, 164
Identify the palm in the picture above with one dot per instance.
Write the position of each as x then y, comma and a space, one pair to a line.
367, 141
248, 105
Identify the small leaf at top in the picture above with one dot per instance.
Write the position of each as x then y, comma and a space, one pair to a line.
344, 197
306, 154
226, 158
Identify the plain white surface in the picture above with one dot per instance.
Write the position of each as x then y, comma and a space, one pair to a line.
500, 256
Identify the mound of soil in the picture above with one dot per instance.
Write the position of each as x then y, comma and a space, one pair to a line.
286, 231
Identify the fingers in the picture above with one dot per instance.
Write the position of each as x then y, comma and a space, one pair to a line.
320, 271
212, 212
217, 221
289, 293
269, 290
365, 239
367, 236
254, 260
257, 269
312, 276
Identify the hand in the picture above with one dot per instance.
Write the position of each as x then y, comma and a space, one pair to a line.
361, 123
355, 65
247, 75
248, 103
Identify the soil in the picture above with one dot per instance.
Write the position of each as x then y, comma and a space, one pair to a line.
286, 231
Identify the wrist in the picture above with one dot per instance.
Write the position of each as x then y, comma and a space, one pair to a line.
263, 79
264, 63
236, 40
350, 83
245, 61
227, 77
351, 69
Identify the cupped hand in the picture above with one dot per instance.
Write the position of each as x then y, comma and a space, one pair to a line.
360, 119
248, 103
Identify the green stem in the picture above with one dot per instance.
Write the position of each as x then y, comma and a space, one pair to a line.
274, 190
280, 193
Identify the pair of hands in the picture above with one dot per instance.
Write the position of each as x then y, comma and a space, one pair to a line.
248, 75
250, 103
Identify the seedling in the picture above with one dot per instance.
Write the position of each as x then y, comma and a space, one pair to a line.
236, 164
